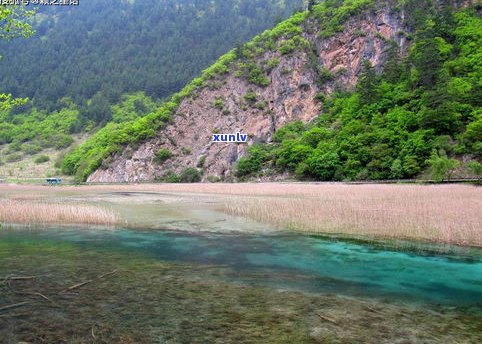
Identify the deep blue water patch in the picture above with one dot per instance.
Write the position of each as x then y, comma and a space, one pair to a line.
293, 261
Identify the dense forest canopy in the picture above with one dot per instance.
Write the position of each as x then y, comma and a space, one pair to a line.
110, 47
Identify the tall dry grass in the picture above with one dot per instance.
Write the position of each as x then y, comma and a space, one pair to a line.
448, 214
30, 212
440, 213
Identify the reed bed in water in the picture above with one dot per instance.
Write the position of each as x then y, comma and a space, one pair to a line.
440, 213
447, 213
30, 212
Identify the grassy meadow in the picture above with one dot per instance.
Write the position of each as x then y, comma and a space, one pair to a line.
436, 213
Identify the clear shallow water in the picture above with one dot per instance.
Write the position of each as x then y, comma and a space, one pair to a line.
292, 261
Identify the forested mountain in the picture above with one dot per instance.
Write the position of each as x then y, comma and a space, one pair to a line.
352, 89
112, 60
104, 48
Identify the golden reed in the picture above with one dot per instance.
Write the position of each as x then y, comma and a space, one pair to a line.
31, 212
439, 213
447, 213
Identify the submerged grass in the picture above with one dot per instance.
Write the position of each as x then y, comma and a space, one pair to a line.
30, 212
148, 301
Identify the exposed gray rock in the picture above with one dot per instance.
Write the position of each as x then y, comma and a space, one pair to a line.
290, 96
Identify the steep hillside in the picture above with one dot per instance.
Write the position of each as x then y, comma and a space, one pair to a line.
78, 66
296, 71
110, 47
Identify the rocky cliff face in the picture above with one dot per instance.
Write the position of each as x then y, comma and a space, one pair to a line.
227, 103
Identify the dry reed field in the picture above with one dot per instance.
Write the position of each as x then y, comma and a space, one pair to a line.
443, 213
439, 213
31, 213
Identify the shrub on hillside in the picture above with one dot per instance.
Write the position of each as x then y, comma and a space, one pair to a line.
190, 175
41, 159
162, 155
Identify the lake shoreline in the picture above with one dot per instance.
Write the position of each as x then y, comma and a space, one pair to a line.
252, 208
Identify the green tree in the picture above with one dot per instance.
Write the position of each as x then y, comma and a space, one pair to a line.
13, 23
473, 135
367, 83
476, 168
132, 106
323, 162
396, 169
291, 153
440, 112
7, 102
394, 68
426, 57
441, 166
97, 110
252, 163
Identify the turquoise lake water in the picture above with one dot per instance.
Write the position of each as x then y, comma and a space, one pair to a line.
295, 262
